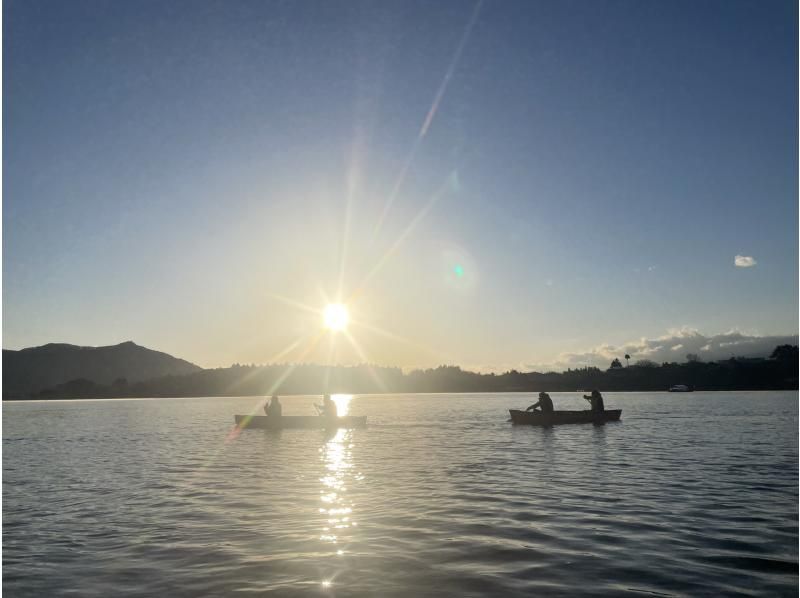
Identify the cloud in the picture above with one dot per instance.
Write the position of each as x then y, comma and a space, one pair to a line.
744, 261
673, 346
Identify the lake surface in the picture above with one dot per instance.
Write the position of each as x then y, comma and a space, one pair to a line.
690, 494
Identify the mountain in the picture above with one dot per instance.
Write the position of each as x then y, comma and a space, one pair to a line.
28, 371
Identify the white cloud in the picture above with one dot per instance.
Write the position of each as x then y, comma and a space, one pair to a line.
744, 261
674, 346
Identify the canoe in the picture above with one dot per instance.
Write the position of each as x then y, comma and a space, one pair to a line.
538, 418
305, 422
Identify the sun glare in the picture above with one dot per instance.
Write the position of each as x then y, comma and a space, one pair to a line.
335, 317
342, 403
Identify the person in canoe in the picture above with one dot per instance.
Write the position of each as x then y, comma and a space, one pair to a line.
274, 409
545, 404
596, 401
328, 408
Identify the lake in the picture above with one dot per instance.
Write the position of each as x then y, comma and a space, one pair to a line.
690, 494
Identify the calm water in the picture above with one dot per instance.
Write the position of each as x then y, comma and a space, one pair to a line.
692, 494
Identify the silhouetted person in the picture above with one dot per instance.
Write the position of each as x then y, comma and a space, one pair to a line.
328, 408
596, 400
274, 409
545, 403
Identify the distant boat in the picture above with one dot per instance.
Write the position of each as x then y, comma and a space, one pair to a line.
313, 422
537, 418
680, 388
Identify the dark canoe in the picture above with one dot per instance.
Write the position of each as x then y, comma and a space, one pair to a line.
305, 422
538, 418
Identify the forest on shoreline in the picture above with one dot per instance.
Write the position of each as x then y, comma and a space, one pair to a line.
778, 372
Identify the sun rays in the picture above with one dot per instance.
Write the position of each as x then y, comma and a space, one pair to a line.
338, 319
426, 124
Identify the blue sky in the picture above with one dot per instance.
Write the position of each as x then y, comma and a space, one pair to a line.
183, 174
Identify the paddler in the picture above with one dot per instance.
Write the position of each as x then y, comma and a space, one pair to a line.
328, 408
274, 409
545, 403
596, 401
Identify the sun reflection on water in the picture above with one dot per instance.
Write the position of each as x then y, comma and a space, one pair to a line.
336, 506
336, 510
342, 403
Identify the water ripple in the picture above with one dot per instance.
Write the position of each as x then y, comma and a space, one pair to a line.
438, 496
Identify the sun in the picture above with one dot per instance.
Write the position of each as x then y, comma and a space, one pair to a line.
335, 317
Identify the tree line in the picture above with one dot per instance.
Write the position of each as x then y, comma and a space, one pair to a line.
778, 372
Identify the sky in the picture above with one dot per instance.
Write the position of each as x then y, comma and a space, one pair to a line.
494, 184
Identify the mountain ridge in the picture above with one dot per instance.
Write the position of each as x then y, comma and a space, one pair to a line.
61, 370
32, 369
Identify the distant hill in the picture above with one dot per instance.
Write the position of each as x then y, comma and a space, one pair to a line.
127, 370
28, 371
779, 372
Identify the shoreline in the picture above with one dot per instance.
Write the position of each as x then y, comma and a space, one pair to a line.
394, 394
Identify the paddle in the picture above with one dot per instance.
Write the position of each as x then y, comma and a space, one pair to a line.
320, 409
